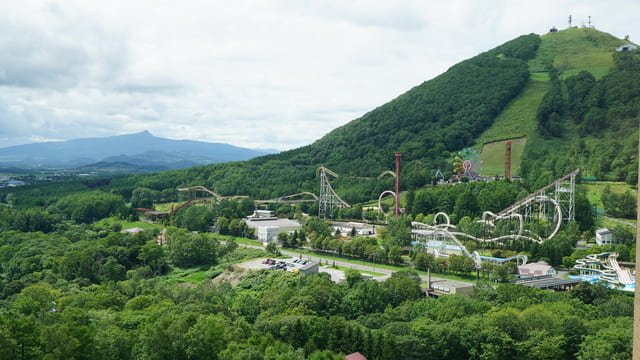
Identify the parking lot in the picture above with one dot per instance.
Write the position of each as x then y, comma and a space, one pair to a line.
289, 264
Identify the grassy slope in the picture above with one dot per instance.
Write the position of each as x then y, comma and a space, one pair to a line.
581, 49
493, 157
570, 51
594, 190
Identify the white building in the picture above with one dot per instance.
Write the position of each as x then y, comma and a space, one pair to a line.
362, 229
262, 214
267, 234
262, 225
603, 236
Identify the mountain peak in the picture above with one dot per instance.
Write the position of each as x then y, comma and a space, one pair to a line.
144, 133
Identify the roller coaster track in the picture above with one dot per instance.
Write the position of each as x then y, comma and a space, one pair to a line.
547, 208
328, 199
211, 192
189, 203
562, 189
290, 199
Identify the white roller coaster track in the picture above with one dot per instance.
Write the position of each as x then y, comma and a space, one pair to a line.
535, 207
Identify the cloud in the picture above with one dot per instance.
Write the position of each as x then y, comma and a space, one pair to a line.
268, 74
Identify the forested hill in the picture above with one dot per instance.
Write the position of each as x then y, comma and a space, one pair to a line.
426, 124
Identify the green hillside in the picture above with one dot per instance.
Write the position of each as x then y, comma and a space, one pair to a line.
567, 53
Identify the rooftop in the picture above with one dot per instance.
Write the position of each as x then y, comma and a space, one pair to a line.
260, 222
537, 268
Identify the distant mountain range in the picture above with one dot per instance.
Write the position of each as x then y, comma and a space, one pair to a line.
139, 152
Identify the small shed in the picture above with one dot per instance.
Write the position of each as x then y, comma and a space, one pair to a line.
603, 237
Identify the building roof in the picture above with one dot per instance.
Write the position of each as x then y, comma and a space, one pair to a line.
134, 230
536, 268
356, 225
282, 223
626, 47
603, 231
450, 284
355, 356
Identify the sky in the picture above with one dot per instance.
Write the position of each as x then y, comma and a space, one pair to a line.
261, 74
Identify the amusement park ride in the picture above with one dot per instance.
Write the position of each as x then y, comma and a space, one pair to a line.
536, 218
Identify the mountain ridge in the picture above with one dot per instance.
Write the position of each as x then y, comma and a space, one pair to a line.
85, 151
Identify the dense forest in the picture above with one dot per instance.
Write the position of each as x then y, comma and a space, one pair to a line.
90, 292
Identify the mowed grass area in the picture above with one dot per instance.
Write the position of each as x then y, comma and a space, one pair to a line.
493, 157
130, 224
597, 71
573, 50
594, 190
515, 122
518, 118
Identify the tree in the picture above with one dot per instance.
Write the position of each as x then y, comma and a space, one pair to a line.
352, 277
395, 255
272, 248
189, 249
425, 261
112, 270
402, 286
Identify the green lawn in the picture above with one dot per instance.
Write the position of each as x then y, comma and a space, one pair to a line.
518, 118
515, 122
597, 71
577, 49
595, 189
190, 275
493, 157
130, 224
344, 268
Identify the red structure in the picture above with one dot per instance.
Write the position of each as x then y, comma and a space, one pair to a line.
396, 209
507, 160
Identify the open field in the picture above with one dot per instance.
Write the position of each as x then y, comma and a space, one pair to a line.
595, 189
130, 224
574, 50
493, 157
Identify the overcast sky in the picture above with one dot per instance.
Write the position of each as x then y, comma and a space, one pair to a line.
260, 74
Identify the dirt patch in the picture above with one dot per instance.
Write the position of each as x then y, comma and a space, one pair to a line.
232, 275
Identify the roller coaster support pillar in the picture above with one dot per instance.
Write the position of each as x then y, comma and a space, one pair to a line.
396, 208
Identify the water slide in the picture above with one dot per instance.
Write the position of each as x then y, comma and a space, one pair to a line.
606, 265
624, 275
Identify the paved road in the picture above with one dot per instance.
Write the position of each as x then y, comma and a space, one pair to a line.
372, 268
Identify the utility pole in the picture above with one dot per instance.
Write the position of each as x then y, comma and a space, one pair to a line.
636, 300
589, 22
396, 209
569, 21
